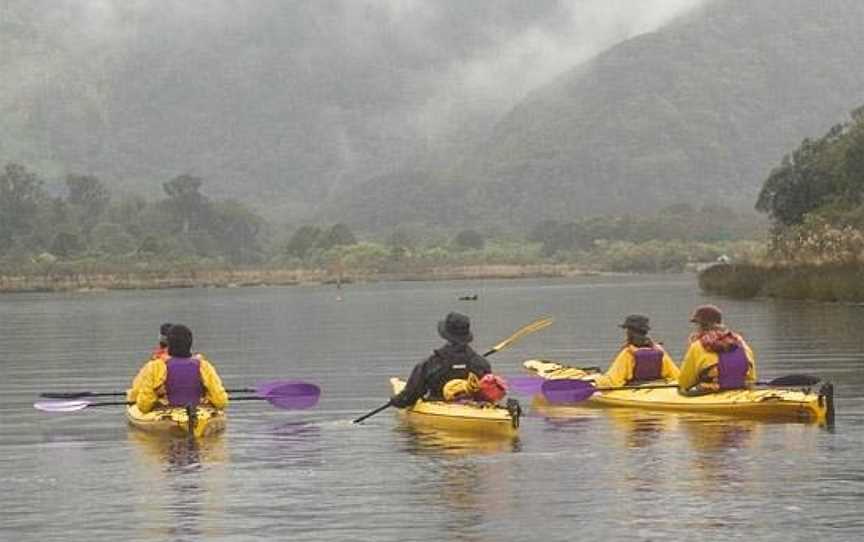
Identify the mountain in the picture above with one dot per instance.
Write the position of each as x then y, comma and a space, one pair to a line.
280, 104
699, 111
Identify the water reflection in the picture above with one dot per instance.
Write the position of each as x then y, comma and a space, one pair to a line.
720, 445
463, 475
178, 453
186, 483
427, 441
641, 429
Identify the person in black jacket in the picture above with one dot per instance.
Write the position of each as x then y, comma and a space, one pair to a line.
454, 360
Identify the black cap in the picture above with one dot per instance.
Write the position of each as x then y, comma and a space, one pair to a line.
636, 322
456, 328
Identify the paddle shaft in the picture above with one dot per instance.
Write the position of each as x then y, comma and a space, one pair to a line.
771, 383
521, 332
83, 394
128, 403
370, 414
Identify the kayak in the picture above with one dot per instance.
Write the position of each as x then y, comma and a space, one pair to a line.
801, 404
175, 421
466, 417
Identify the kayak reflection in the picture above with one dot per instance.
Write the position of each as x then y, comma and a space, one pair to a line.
719, 447
430, 441
639, 428
461, 473
189, 477
174, 453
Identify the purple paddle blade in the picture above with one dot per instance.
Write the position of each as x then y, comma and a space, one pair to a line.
528, 385
60, 406
567, 391
293, 395
263, 388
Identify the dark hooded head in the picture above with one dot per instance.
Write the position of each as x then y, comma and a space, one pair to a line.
180, 341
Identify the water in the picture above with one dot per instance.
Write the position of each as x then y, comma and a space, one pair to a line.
312, 475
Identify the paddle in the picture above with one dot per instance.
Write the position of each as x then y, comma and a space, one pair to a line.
260, 389
506, 343
575, 391
287, 395
530, 385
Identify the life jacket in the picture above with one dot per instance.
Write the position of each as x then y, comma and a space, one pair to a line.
647, 364
453, 362
183, 384
732, 367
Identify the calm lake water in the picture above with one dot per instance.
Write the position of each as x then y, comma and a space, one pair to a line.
312, 475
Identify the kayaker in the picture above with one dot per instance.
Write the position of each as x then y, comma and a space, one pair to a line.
640, 359
717, 358
455, 360
180, 379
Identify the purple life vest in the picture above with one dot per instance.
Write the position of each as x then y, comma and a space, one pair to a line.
647, 364
184, 384
732, 369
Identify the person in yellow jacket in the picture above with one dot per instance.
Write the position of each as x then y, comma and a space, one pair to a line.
640, 359
178, 379
717, 358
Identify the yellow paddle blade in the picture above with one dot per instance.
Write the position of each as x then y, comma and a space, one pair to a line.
521, 332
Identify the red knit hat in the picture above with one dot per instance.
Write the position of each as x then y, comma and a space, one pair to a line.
707, 314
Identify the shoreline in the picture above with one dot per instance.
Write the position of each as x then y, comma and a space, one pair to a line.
826, 282
235, 278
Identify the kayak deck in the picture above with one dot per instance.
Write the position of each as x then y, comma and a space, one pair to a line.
764, 403
175, 421
470, 417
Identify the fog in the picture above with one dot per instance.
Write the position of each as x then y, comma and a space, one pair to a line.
340, 89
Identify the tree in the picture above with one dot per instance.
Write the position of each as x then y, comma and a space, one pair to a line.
236, 228
303, 240
804, 181
189, 208
66, 244
112, 239
469, 239
339, 235
90, 197
20, 194
543, 231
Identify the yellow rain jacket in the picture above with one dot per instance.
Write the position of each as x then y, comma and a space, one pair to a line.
698, 361
148, 387
621, 370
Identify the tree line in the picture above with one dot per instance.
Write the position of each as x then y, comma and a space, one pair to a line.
815, 197
87, 222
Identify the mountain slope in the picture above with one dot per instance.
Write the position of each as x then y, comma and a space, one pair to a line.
699, 111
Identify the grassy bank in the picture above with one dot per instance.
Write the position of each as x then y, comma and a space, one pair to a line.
818, 282
83, 280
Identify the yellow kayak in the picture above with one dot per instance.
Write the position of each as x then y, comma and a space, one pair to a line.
765, 403
175, 421
470, 417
